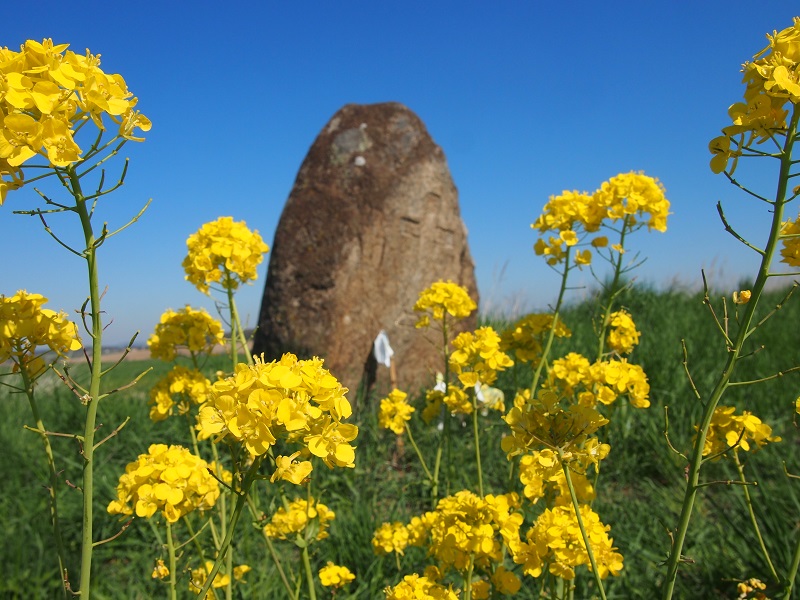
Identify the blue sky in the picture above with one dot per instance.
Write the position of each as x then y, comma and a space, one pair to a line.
525, 98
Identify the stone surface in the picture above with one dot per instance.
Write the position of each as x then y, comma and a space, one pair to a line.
372, 220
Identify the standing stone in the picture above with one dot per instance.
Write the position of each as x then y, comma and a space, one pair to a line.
371, 221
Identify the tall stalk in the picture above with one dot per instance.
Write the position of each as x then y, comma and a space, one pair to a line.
734, 353
92, 400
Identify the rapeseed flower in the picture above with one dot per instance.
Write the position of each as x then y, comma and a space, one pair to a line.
298, 401
443, 298
335, 576
25, 327
179, 389
286, 522
395, 411
622, 333
477, 357
190, 328
171, 480
414, 587
525, 337
223, 252
729, 431
48, 93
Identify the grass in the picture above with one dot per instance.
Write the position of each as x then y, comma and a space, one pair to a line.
639, 491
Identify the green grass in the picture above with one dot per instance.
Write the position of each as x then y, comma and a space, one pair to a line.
639, 491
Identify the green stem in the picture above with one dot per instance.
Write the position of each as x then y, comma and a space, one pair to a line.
240, 331
173, 581
552, 333
419, 454
792, 574
51, 463
232, 308
696, 462
444, 420
477, 443
614, 292
753, 520
468, 578
312, 590
275, 558
92, 400
584, 535
249, 478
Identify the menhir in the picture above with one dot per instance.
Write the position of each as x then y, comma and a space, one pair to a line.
372, 220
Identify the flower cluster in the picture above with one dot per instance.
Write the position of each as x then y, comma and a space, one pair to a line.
180, 389
395, 412
200, 574
731, 431
335, 576
603, 381
571, 217
622, 333
25, 326
189, 328
525, 336
441, 299
477, 357
223, 252
555, 542
414, 587
390, 537
463, 530
772, 80
287, 522
297, 400
167, 479
46, 95
543, 476
790, 236
544, 422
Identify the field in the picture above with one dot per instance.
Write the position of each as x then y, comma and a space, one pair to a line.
640, 487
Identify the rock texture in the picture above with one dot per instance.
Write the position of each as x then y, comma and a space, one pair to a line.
372, 220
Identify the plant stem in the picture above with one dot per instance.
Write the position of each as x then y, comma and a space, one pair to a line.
696, 462
419, 454
172, 576
312, 591
275, 559
614, 292
753, 520
249, 478
792, 574
584, 535
28, 383
551, 334
477, 443
92, 400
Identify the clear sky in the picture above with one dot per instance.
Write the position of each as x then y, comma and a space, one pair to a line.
525, 98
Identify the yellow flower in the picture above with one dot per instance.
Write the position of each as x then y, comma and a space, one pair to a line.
414, 587
170, 479
288, 470
190, 328
556, 540
199, 576
335, 576
525, 337
477, 357
160, 571
622, 334
25, 327
223, 252
395, 412
443, 298
390, 537
742, 297
47, 94
187, 386
287, 522
729, 431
